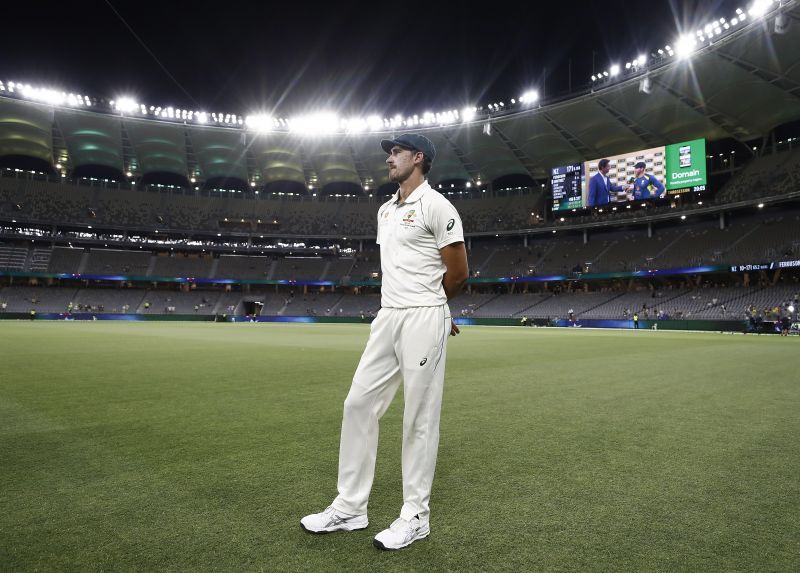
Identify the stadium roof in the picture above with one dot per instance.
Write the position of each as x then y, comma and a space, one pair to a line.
741, 87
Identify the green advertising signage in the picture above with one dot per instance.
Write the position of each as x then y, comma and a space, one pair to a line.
686, 165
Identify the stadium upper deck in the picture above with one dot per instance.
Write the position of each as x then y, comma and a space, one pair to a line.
734, 79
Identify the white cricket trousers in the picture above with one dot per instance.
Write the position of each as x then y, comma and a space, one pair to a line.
408, 345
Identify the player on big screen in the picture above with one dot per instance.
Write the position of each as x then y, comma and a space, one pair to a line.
646, 185
423, 264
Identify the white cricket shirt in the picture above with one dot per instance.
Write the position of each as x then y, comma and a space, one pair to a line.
410, 235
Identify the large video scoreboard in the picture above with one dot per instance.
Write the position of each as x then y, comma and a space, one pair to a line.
679, 168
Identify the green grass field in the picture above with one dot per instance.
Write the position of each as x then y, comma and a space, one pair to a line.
198, 447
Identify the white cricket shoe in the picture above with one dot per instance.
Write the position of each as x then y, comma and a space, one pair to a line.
332, 520
402, 533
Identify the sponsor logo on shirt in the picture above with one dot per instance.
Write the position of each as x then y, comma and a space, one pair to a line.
409, 217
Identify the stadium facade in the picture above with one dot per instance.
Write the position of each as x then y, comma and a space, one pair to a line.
132, 204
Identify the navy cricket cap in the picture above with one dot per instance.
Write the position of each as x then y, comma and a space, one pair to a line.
412, 141
640, 165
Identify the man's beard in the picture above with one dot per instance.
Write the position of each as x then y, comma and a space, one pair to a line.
397, 176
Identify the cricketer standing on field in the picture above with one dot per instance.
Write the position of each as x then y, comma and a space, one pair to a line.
423, 264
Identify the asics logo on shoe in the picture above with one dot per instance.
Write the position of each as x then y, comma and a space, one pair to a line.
338, 520
423, 361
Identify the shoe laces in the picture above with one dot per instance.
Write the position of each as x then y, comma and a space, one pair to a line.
401, 524
330, 511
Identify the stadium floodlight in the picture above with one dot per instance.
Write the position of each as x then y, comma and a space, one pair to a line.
314, 124
468, 113
259, 122
594, 78
759, 8
529, 97
627, 65
761, 205
45, 95
355, 125
125, 104
685, 45
641, 60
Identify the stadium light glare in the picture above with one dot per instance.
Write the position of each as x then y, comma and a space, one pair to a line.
314, 124
685, 45
529, 97
641, 60
355, 125
761, 205
594, 78
759, 8
259, 122
468, 113
125, 104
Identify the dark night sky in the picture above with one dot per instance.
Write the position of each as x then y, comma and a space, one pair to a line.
288, 58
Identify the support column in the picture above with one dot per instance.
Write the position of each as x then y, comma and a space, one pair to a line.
585, 236
649, 230
525, 241
722, 221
